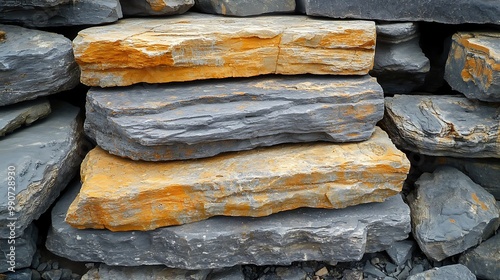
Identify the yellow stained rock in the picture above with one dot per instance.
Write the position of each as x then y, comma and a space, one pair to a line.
121, 194
199, 46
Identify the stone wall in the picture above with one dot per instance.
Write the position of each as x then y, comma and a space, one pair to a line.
231, 139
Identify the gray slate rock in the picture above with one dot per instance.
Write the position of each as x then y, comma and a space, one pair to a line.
473, 65
443, 125
155, 7
450, 213
400, 65
449, 272
34, 63
232, 273
279, 239
25, 248
104, 272
24, 113
484, 260
179, 121
23, 274
401, 251
245, 7
443, 11
45, 157
69, 13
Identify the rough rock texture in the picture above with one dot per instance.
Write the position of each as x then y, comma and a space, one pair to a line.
183, 48
232, 273
444, 11
483, 260
443, 125
155, 7
104, 272
484, 172
34, 63
456, 271
44, 158
245, 7
25, 113
450, 213
135, 195
473, 65
401, 251
25, 248
302, 234
400, 65
179, 121
60, 13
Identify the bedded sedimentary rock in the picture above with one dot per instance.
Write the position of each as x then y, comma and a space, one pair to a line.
24, 113
245, 7
155, 7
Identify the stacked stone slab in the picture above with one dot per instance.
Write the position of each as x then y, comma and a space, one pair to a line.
224, 167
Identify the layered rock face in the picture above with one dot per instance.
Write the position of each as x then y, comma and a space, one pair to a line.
155, 7
170, 122
25, 113
244, 7
182, 48
473, 65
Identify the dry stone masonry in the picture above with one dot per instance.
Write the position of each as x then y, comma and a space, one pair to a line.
245, 140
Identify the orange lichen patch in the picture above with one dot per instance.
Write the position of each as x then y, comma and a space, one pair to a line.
452, 221
3, 35
157, 5
478, 201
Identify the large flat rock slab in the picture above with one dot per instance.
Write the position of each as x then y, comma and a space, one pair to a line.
34, 63
443, 11
60, 13
200, 46
473, 65
135, 195
443, 125
41, 160
24, 113
245, 7
298, 235
196, 120
155, 7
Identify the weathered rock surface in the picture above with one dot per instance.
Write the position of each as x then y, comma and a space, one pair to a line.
60, 13
43, 159
182, 48
135, 195
483, 260
473, 65
34, 63
245, 7
232, 273
25, 113
400, 65
155, 7
401, 251
444, 11
104, 272
302, 234
178, 121
443, 125
450, 213
455, 271
25, 248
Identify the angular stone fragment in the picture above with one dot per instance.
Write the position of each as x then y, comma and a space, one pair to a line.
155, 7
60, 13
400, 65
444, 11
25, 113
401, 251
483, 260
24, 250
199, 46
104, 272
34, 63
178, 121
443, 125
42, 160
450, 213
134, 195
473, 65
245, 7
298, 235
455, 271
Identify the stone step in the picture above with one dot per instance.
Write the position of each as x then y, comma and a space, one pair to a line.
199, 46
298, 235
135, 195
473, 65
196, 120
443, 125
